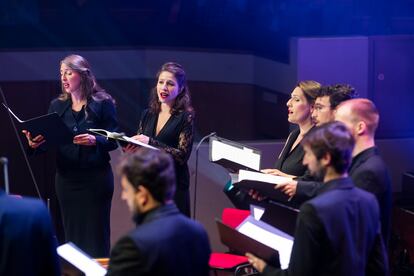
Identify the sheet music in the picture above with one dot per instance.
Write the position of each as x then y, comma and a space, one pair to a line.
262, 177
270, 236
246, 156
138, 143
256, 211
119, 136
80, 260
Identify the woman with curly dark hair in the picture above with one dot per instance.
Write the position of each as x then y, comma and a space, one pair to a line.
168, 124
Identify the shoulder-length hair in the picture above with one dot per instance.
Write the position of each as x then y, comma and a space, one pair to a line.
89, 87
183, 101
311, 90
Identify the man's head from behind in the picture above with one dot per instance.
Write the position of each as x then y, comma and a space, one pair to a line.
328, 149
329, 98
148, 179
360, 116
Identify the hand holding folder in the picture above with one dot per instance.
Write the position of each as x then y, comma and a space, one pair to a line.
50, 126
263, 183
120, 137
33, 142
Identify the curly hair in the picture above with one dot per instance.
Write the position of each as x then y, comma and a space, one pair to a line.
183, 101
89, 87
338, 93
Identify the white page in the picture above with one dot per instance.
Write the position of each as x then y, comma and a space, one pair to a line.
270, 236
138, 143
257, 211
83, 262
262, 177
246, 157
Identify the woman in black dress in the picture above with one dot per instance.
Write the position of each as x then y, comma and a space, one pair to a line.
289, 162
300, 105
168, 124
84, 179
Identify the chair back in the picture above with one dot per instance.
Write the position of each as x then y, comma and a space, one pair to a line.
233, 217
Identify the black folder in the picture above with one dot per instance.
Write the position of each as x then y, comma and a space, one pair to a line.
240, 244
264, 188
280, 216
50, 126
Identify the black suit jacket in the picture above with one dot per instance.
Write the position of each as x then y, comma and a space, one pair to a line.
165, 242
337, 233
27, 242
99, 114
369, 172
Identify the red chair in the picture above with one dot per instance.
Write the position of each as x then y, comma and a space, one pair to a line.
226, 261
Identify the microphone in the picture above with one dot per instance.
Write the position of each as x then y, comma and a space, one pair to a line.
196, 171
4, 162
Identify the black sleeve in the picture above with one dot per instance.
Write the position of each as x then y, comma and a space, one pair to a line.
307, 189
126, 259
377, 263
109, 122
185, 141
309, 236
370, 180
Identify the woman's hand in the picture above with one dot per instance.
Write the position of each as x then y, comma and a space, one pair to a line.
289, 188
34, 142
130, 148
277, 172
84, 140
142, 138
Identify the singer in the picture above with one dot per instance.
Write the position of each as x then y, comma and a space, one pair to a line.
168, 124
84, 181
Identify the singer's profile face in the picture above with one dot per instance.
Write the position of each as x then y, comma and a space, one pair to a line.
167, 87
315, 166
128, 194
299, 110
322, 112
344, 115
70, 79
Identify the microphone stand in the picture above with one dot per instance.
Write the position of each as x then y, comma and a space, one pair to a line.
22, 147
4, 161
196, 171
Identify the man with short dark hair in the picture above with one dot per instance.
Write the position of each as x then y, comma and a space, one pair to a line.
329, 98
338, 231
165, 242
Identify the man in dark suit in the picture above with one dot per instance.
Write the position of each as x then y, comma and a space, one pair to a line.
338, 231
165, 242
367, 170
27, 242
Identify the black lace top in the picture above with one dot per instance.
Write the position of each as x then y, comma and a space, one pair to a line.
176, 138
